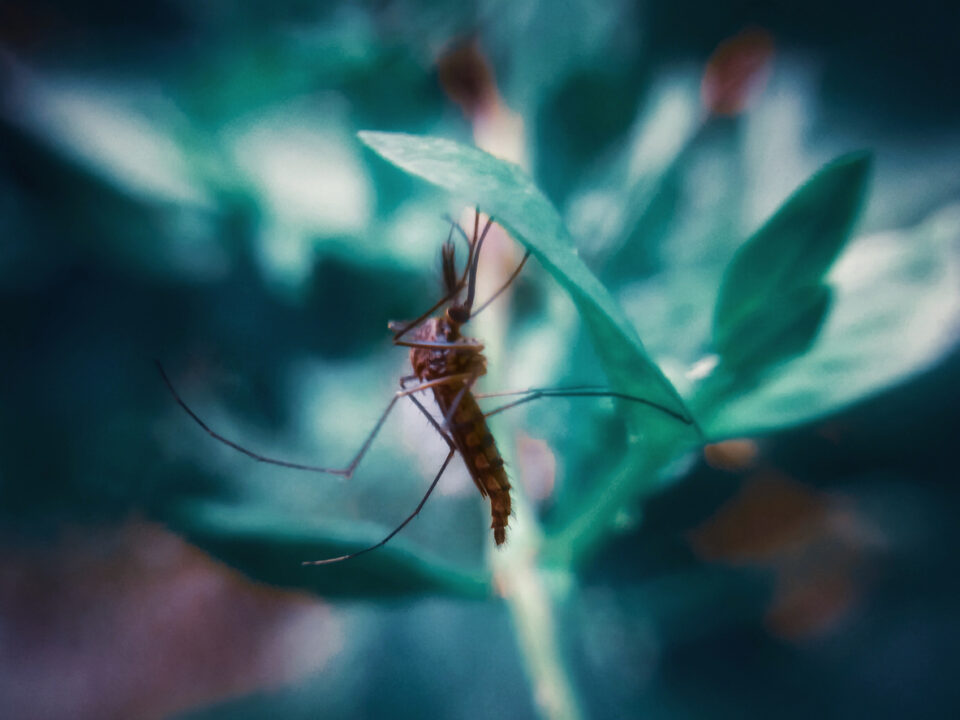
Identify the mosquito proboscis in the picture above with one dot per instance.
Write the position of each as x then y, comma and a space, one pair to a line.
449, 364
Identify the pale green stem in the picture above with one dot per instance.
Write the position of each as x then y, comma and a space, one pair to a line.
532, 594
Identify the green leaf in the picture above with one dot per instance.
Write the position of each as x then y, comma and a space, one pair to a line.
896, 310
784, 262
503, 190
117, 132
271, 547
787, 327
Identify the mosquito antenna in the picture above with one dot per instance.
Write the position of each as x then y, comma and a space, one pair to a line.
463, 234
455, 224
473, 245
510, 279
472, 286
402, 329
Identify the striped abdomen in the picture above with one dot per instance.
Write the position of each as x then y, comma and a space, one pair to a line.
475, 443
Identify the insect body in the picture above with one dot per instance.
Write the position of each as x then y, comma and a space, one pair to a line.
449, 364
468, 426
452, 363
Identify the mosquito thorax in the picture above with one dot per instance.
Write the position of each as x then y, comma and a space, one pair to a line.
447, 329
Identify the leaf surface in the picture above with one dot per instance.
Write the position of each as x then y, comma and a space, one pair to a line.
271, 547
896, 310
771, 300
503, 190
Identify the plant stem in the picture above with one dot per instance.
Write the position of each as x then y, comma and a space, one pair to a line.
532, 594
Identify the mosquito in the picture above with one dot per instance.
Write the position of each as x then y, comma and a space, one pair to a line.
448, 363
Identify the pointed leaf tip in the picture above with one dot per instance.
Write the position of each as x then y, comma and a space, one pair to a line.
505, 191
786, 259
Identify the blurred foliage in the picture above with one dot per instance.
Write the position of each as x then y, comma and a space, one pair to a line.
772, 298
514, 201
185, 182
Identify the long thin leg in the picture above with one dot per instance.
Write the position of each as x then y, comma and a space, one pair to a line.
404, 328
454, 346
399, 527
346, 472
444, 429
401, 329
528, 391
584, 391
436, 426
513, 276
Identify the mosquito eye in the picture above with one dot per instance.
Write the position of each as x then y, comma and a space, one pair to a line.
458, 314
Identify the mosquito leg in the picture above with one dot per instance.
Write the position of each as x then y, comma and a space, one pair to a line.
249, 453
404, 328
444, 429
584, 391
513, 276
452, 447
349, 470
401, 329
445, 380
346, 472
454, 346
399, 527
436, 426
529, 391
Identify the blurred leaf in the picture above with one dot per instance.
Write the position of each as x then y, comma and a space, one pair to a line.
786, 328
585, 119
271, 547
783, 263
671, 310
623, 205
896, 310
303, 169
504, 190
119, 133
543, 43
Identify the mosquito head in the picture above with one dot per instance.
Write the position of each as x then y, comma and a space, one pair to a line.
457, 314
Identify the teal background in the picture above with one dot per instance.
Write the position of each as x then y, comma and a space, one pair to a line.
184, 182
